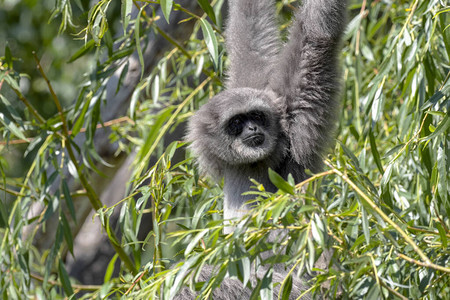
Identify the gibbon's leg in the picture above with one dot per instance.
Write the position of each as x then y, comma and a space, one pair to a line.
253, 43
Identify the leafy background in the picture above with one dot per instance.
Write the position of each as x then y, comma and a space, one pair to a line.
94, 99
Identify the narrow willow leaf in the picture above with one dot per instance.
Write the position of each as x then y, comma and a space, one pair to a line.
166, 6
443, 235
81, 119
138, 40
317, 233
12, 111
393, 150
352, 26
110, 268
170, 150
104, 292
12, 82
206, 6
181, 274
53, 253
155, 89
16, 131
126, 14
23, 260
210, 40
386, 176
100, 27
111, 234
134, 100
64, 278
375, 153
442, 127
82, 51
443, 174
8, 56
306, 208
350, 154
154, 131
3, 206
266, 291
67, 232
194, 241
287, 288
377, 105
365, 224
246, 270
280, 183
68, 199
312, 253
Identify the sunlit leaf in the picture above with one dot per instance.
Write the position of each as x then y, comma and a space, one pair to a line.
210, 40
166, 6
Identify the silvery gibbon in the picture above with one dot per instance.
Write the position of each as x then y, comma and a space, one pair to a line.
280, 103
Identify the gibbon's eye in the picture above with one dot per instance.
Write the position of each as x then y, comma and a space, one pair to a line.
259, 118
235, 125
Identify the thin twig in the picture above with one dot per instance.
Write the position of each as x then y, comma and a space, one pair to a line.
80, 287
422, 264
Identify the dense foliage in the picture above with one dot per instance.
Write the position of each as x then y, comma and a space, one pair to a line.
382, 202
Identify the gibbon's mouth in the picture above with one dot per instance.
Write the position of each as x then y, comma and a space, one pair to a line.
254, 140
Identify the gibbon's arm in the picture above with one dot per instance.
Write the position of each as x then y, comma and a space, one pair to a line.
309, 78
252, 41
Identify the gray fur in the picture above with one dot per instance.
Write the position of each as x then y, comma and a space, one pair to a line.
296, 85
231, 289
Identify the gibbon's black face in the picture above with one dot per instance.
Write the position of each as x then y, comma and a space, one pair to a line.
237, 126
250, 127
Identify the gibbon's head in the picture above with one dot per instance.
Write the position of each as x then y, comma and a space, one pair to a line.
236, 127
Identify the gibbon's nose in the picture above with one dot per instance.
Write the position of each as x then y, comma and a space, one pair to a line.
253, 128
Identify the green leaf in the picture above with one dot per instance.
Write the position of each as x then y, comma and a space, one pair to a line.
375, 153
64, 278
53, 254
8, 57
154, 131
82, 51
443, 173
280, 183
12, 111
365, 224
155, 89
286, 288
180, 275
68, 199
377, 105
266, 291
210, 40
317, 233
138, 40
12, 127
166, 6
386, 176
194, 241
110, 268
206, 6
442, 127
67, 232
125, 11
